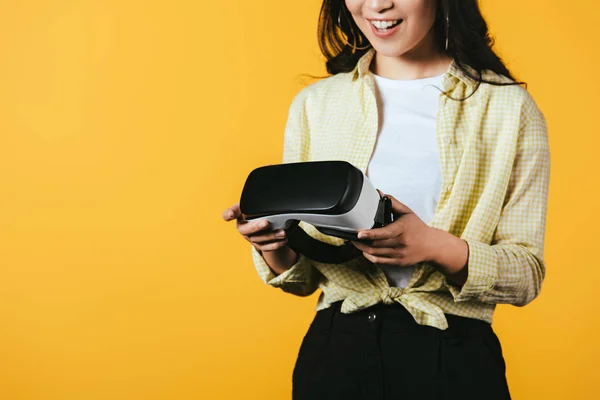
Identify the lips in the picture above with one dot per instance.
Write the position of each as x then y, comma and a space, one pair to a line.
388, 31
385, 24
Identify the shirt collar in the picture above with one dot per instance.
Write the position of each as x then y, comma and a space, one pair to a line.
362, 68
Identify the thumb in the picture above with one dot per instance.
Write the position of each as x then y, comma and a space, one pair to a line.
232, 212
397, 206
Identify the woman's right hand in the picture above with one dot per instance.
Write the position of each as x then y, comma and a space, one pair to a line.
258, 233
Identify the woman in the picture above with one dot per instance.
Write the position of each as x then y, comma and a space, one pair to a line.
467, 168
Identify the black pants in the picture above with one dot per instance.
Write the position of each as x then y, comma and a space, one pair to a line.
381, 353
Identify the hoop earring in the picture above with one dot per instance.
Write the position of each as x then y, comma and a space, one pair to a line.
447, 29
346, 42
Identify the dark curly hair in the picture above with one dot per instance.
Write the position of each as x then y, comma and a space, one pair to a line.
469, 42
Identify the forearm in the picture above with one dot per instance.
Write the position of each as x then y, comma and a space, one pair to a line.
281, 259
508, 273
450, 255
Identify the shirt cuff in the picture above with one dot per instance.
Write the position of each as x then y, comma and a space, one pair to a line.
295, 274
482, 272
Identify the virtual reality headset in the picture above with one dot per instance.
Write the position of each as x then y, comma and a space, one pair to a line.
334, 196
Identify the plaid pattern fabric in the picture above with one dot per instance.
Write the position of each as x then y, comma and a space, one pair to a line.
495, 161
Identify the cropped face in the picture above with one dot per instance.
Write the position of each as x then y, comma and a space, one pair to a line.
395, 27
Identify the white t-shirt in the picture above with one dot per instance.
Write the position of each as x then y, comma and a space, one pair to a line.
405, 162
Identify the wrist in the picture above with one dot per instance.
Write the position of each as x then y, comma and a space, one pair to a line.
437, 239
449, 253
281, 259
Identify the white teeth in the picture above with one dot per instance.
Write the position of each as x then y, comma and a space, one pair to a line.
384, 24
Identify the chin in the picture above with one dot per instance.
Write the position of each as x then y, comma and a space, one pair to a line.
390, 50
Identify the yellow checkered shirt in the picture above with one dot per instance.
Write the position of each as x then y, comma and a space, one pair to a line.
495, 161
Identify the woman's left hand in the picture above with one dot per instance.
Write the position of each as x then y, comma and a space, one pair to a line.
404, 242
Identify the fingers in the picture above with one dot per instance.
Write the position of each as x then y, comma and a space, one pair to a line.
258, 233
393, 242
398, 207
375, 251
387, 232
261, 236
232, 212
252, 227
267, 237
270, 246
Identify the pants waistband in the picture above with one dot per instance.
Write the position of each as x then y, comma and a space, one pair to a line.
391, 316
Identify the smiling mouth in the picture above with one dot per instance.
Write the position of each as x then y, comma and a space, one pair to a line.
384, 26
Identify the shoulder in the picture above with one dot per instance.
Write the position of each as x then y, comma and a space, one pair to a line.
513, 95
316, 94
516, 102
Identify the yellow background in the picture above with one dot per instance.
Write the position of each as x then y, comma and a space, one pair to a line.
127, 127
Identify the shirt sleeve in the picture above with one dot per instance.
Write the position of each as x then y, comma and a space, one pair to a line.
302, 278
511, 269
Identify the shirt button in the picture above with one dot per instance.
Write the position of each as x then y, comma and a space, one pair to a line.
371, 317
447, 139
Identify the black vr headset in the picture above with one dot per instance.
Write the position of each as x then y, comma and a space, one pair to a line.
334, 196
